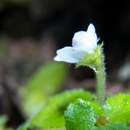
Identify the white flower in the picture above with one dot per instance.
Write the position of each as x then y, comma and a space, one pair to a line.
83, 42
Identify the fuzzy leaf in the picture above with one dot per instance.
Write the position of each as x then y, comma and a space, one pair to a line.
80, 116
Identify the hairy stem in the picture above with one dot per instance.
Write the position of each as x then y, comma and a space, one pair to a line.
101, 81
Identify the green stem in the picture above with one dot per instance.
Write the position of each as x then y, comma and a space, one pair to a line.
101, 81
96, 61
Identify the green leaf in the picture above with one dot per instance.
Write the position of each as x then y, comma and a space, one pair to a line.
98, 109
113, 127
117, 108
52, 116
3, 121
23, 126
44, 83
80, 116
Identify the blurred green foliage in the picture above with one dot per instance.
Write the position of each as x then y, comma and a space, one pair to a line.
117, 108
47, 81
52, 115
113, 127
46, 110
3, 121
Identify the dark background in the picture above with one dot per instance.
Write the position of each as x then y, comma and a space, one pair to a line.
61, 18
32, 30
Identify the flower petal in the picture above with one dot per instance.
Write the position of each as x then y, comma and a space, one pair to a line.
69, 54
92, 34
91, 28
86, 41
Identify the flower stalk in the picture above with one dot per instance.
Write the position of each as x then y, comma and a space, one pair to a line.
86, 52
95, 61
101, 81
